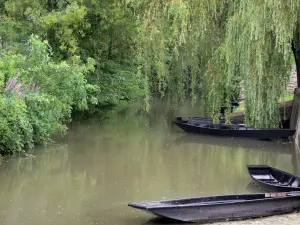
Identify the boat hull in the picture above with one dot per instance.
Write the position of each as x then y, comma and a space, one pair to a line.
227, 211
249, 133
272, 179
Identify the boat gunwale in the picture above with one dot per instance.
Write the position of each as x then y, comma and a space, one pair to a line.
252, 129
167, 206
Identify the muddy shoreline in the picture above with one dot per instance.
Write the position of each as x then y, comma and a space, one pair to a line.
285, 219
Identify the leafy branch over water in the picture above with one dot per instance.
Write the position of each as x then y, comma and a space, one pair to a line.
207, 48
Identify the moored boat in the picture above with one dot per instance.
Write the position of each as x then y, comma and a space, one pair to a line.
208, 120
223, 207
272, 179
231, 130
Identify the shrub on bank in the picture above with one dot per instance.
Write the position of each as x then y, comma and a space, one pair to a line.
15, 128
38, 101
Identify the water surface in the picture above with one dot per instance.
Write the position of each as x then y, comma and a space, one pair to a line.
99, 167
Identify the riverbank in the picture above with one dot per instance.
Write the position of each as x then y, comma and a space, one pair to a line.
285, 219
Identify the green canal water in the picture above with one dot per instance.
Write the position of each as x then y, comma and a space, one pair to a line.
90, 176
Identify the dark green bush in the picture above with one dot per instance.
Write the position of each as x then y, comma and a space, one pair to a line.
16, 133
118, 84
43, 117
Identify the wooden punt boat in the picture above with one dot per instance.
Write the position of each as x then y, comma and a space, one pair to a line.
232, 130
272, 179
223, 207
208, 120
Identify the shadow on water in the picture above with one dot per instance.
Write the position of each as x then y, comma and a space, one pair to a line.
282, 147
163, 221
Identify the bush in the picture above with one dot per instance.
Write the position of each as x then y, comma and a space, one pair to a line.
16, 133
44, 118
39, 100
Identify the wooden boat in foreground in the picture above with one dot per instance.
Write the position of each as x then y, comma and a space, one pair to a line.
223, 207
272, 179
231, 130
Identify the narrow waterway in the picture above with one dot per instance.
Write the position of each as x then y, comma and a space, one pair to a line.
90, 176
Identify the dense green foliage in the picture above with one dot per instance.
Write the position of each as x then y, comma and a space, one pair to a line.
60, 58
102, 30
81, 61
43, 101
213, 45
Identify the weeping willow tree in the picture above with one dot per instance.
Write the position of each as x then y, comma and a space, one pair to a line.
206, 47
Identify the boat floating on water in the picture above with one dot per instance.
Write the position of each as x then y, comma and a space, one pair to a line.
272, 179
223, 207
204, 125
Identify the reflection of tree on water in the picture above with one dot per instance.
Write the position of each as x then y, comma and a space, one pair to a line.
152, 153
43, 188
163, 110
236, 142
166, 110
163, 221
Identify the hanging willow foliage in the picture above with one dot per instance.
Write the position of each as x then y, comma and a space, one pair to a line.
210, 46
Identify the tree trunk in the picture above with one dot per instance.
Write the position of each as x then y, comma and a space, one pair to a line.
109, 54
51, 5
296, 52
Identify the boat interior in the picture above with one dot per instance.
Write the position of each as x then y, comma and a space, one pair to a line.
214, 199
275, 177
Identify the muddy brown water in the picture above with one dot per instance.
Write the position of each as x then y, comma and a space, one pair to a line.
90, 176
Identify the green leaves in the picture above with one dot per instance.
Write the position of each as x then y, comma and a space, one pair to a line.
90, 40
62, 88
64, 24
16, 133
217, 48
45, 117
116, 83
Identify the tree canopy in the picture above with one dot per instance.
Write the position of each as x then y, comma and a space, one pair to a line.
198, 49
194, 46
61, 58
87, 55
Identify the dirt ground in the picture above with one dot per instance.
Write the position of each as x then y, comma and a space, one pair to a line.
286, 219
